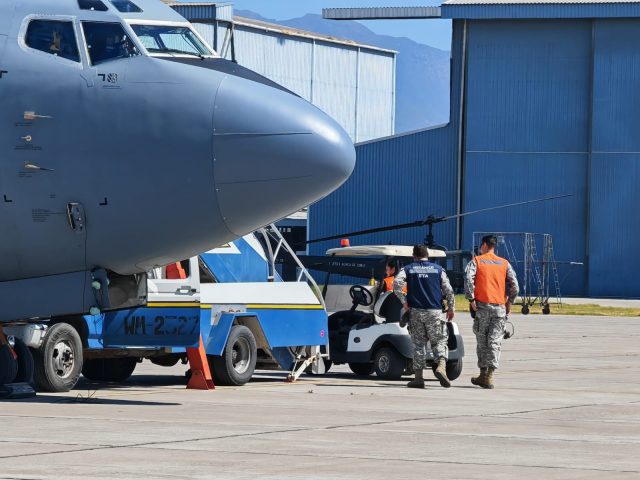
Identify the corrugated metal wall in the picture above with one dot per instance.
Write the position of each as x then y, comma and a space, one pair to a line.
551, 107
527, 132
615, 163
396, 180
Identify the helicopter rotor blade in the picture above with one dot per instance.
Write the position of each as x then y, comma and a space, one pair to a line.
508, 205
433, 220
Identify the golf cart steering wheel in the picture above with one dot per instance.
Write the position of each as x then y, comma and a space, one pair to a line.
360, 295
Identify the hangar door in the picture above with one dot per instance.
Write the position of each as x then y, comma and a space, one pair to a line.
526, 132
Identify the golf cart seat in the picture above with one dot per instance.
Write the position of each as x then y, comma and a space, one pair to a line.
391, 309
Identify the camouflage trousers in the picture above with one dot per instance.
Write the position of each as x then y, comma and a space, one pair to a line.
428, 325
489, 329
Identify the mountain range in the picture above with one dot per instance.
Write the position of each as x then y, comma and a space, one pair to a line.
422, 72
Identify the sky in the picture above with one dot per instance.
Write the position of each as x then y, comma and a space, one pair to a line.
436, 33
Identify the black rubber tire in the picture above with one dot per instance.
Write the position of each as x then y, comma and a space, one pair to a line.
454, 369
8, 365
240, 342
525, 309
25, 362
388, 363
45, 374
109, 369
546, 310
362, 369
166, 360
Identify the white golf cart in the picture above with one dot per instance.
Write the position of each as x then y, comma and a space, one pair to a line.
368, 336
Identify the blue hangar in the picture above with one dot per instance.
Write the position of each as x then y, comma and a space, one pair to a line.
545, 100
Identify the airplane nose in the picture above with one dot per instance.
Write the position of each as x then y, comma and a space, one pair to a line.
274, 153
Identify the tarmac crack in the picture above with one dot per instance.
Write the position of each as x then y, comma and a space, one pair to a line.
300, 429
413, 460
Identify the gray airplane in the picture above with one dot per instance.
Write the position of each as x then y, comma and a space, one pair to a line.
127, 143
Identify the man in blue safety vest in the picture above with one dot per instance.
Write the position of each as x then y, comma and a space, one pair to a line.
427, 284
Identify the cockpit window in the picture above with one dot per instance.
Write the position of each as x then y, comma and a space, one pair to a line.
126, 6
96, 5
53, 36
107, 41
170, 40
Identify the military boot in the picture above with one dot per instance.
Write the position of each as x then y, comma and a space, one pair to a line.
417, 382
480, 379
488, 382
441, 373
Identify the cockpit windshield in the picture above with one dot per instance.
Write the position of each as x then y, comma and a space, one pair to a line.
171, 40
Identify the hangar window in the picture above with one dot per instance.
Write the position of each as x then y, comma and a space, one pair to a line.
96, 5
53, 36
107, 41
126, 6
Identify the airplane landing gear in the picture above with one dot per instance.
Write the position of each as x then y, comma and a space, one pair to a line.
16, 365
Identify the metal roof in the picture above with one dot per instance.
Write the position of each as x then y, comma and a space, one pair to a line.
295, 32
542, 9
380, 13
535, 2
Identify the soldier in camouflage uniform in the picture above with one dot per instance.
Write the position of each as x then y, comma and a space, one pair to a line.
427, 284
491, 287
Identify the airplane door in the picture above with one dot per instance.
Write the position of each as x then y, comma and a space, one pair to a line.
42, 164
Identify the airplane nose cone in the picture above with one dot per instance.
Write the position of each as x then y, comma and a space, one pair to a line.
274, 153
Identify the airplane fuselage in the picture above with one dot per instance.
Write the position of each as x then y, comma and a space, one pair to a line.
117, 159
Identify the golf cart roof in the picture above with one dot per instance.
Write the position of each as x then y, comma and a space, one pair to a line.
381, 250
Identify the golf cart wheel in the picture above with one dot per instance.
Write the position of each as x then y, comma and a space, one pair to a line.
454, 369
388, 363
238, 361
546, 310
109, 369
525, 309
58, 362
25, 362
8, 365
363, 369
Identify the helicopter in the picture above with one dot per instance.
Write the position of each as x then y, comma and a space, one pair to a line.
454, 263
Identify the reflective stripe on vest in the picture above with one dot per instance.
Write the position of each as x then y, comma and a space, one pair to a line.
491, 276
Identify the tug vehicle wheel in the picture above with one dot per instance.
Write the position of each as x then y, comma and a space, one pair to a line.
238, 361
109, 369
58, 362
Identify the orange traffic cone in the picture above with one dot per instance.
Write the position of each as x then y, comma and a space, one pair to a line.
200, 374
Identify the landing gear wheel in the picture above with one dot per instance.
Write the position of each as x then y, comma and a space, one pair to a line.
388, 363
109, 369
25, 362
362, 369
8, 365
525, 309
238, 361
58, 362
546, 309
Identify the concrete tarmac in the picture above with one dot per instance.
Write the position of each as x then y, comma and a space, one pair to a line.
566, 406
